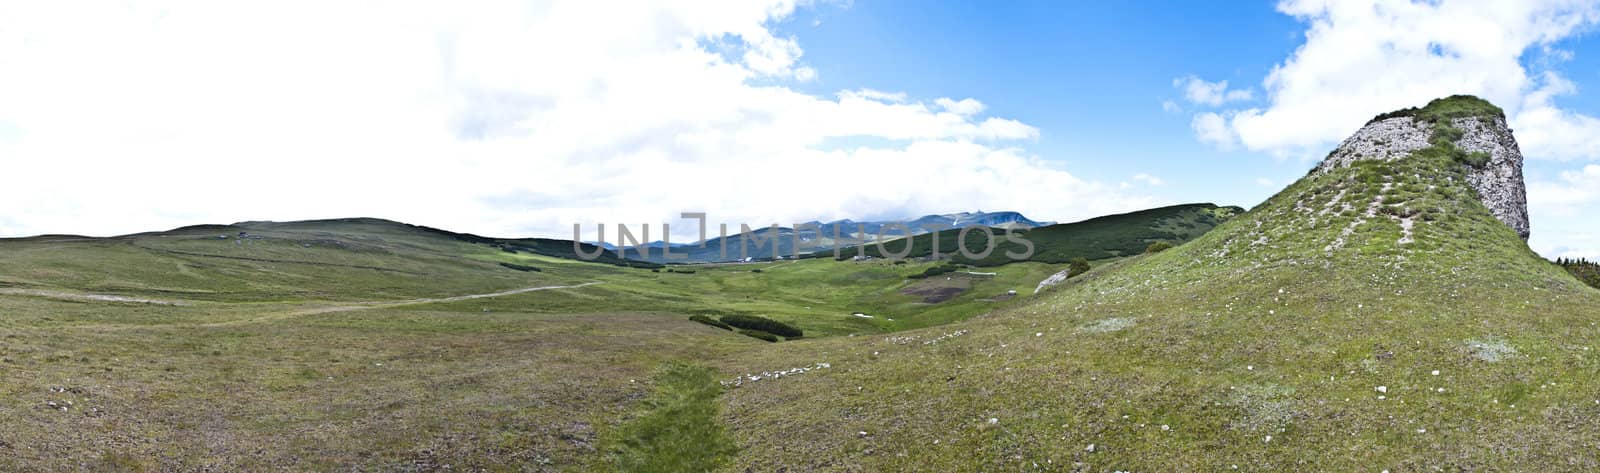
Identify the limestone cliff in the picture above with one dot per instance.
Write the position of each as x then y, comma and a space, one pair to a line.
1497, 179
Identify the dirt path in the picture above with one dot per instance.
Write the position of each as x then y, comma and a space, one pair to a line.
338, 307
354, 306
85, 297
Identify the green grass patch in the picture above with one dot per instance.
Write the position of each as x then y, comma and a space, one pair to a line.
676, 429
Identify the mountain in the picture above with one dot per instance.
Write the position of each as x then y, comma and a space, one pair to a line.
824, 235
1098, 238
1382, 313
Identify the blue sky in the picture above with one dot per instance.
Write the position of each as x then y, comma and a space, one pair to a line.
1093, 77
526, 117
1090, 75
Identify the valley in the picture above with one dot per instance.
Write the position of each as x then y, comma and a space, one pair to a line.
1376, 306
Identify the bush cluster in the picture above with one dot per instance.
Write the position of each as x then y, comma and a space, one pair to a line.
936, 270
710, 321
759, 334
1078, 266
519, 267
1585, 270
1157, 247
762, 324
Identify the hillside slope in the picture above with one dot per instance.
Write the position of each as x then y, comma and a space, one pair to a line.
339, 259
816, 235
1373, 316
1097, 238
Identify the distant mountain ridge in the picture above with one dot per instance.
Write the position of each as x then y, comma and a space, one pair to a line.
822, 235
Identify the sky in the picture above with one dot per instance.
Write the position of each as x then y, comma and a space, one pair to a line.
525, 118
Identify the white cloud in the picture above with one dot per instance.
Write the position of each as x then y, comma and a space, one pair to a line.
1557, 207
1198, 91
1149, 179
961, 107
1362, 58
494, 118
1567, 195
1170, 106
1547, 132
1212, 128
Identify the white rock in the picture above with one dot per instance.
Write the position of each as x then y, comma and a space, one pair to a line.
1383, 389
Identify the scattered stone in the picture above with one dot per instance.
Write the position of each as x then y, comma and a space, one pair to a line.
1107, 325
1492, 349
751, 378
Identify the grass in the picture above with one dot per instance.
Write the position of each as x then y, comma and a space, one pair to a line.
677, 429
308, 346
373, 389
1099, 238
1371, 317
1302, 336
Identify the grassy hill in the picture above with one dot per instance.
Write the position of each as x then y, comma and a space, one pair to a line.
370, 344
1373, 317
1097, 238
1406, 331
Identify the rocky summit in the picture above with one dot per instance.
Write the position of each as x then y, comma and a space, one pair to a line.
1470, 125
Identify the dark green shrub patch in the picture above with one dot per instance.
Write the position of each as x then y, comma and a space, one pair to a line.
752, 322
519, 267
710, 321
759, 334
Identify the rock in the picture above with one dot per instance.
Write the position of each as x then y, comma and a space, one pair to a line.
1054, 279
1499, 182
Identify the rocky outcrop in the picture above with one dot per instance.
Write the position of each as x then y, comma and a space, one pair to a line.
1498, 181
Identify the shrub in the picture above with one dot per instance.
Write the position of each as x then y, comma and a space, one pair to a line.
1476, 159
1157, 247
1078, 266
755, 270
522, 268
935, 271
759, 334
763, 324
710, 321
